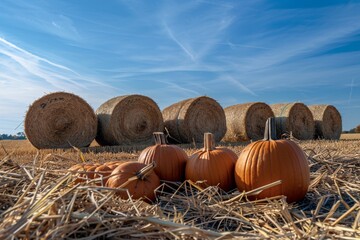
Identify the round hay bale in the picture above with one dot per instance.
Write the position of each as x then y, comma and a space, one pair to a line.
246, 121
188, 120
328, 123
295, 118
60, 120
127, 120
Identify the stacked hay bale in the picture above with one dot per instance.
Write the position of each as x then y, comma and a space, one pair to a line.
294, 118
60, 120
328, 123
246, 121
129, 119
188, 120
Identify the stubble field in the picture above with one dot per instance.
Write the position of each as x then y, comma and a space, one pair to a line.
39, 200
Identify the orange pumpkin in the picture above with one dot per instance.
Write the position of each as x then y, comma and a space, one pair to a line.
138, 178
83, 171
102, 172
215, 165
170, 159
268, 160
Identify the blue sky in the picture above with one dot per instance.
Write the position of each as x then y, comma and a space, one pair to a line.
233, 51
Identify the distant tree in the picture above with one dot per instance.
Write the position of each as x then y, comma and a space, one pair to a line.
20, 135
357, 129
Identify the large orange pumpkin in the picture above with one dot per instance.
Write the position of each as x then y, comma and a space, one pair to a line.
138, 178
170, 159
268, 160
215, 165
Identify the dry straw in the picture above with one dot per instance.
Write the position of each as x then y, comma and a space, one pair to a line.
188, 120
246, 121
38, 203
60, 120
129, 119
328, 124
295, 119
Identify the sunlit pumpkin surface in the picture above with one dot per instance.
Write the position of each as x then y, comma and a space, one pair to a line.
267, 161
137, 188
213, 165
170, 161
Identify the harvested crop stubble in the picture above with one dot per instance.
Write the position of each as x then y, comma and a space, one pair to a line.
129, 119
246, 121
60, 120
295, 118
38, 203
328, 124
188, 120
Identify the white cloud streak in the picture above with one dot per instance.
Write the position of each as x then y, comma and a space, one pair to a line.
25, 76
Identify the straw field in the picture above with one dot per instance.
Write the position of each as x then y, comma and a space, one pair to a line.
350, 136
38, 200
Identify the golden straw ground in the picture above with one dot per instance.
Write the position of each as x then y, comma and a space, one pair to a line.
38, 200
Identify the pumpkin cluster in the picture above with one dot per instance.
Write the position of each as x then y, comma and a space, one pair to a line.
138, 178
260, 163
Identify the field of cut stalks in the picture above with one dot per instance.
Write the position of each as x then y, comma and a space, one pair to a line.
39, 200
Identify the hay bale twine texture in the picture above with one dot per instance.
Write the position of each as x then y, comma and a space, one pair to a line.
188, 120
295, 118
127, 120
246, 121
328, 123
60, 120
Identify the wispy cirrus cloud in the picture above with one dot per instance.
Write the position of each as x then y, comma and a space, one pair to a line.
25, 76
194, 31
42, 17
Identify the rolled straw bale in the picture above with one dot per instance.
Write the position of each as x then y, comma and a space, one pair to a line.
328, 123
295, 118
246, 121
129, 119
60, 120
188, 120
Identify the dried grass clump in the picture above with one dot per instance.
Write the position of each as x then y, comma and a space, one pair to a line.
295, 119
246, 121
129, 119
44, 203
328, 123
60, 120
188, 120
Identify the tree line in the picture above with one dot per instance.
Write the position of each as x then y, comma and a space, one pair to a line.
17, 136
354, 130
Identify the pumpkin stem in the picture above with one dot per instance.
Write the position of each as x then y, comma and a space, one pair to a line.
159, 138
145, 171
208, 141
270, 129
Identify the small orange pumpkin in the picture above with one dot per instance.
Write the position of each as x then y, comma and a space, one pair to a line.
83, 171
170, 159
102, 172
213, 164
268, 160
138, 178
